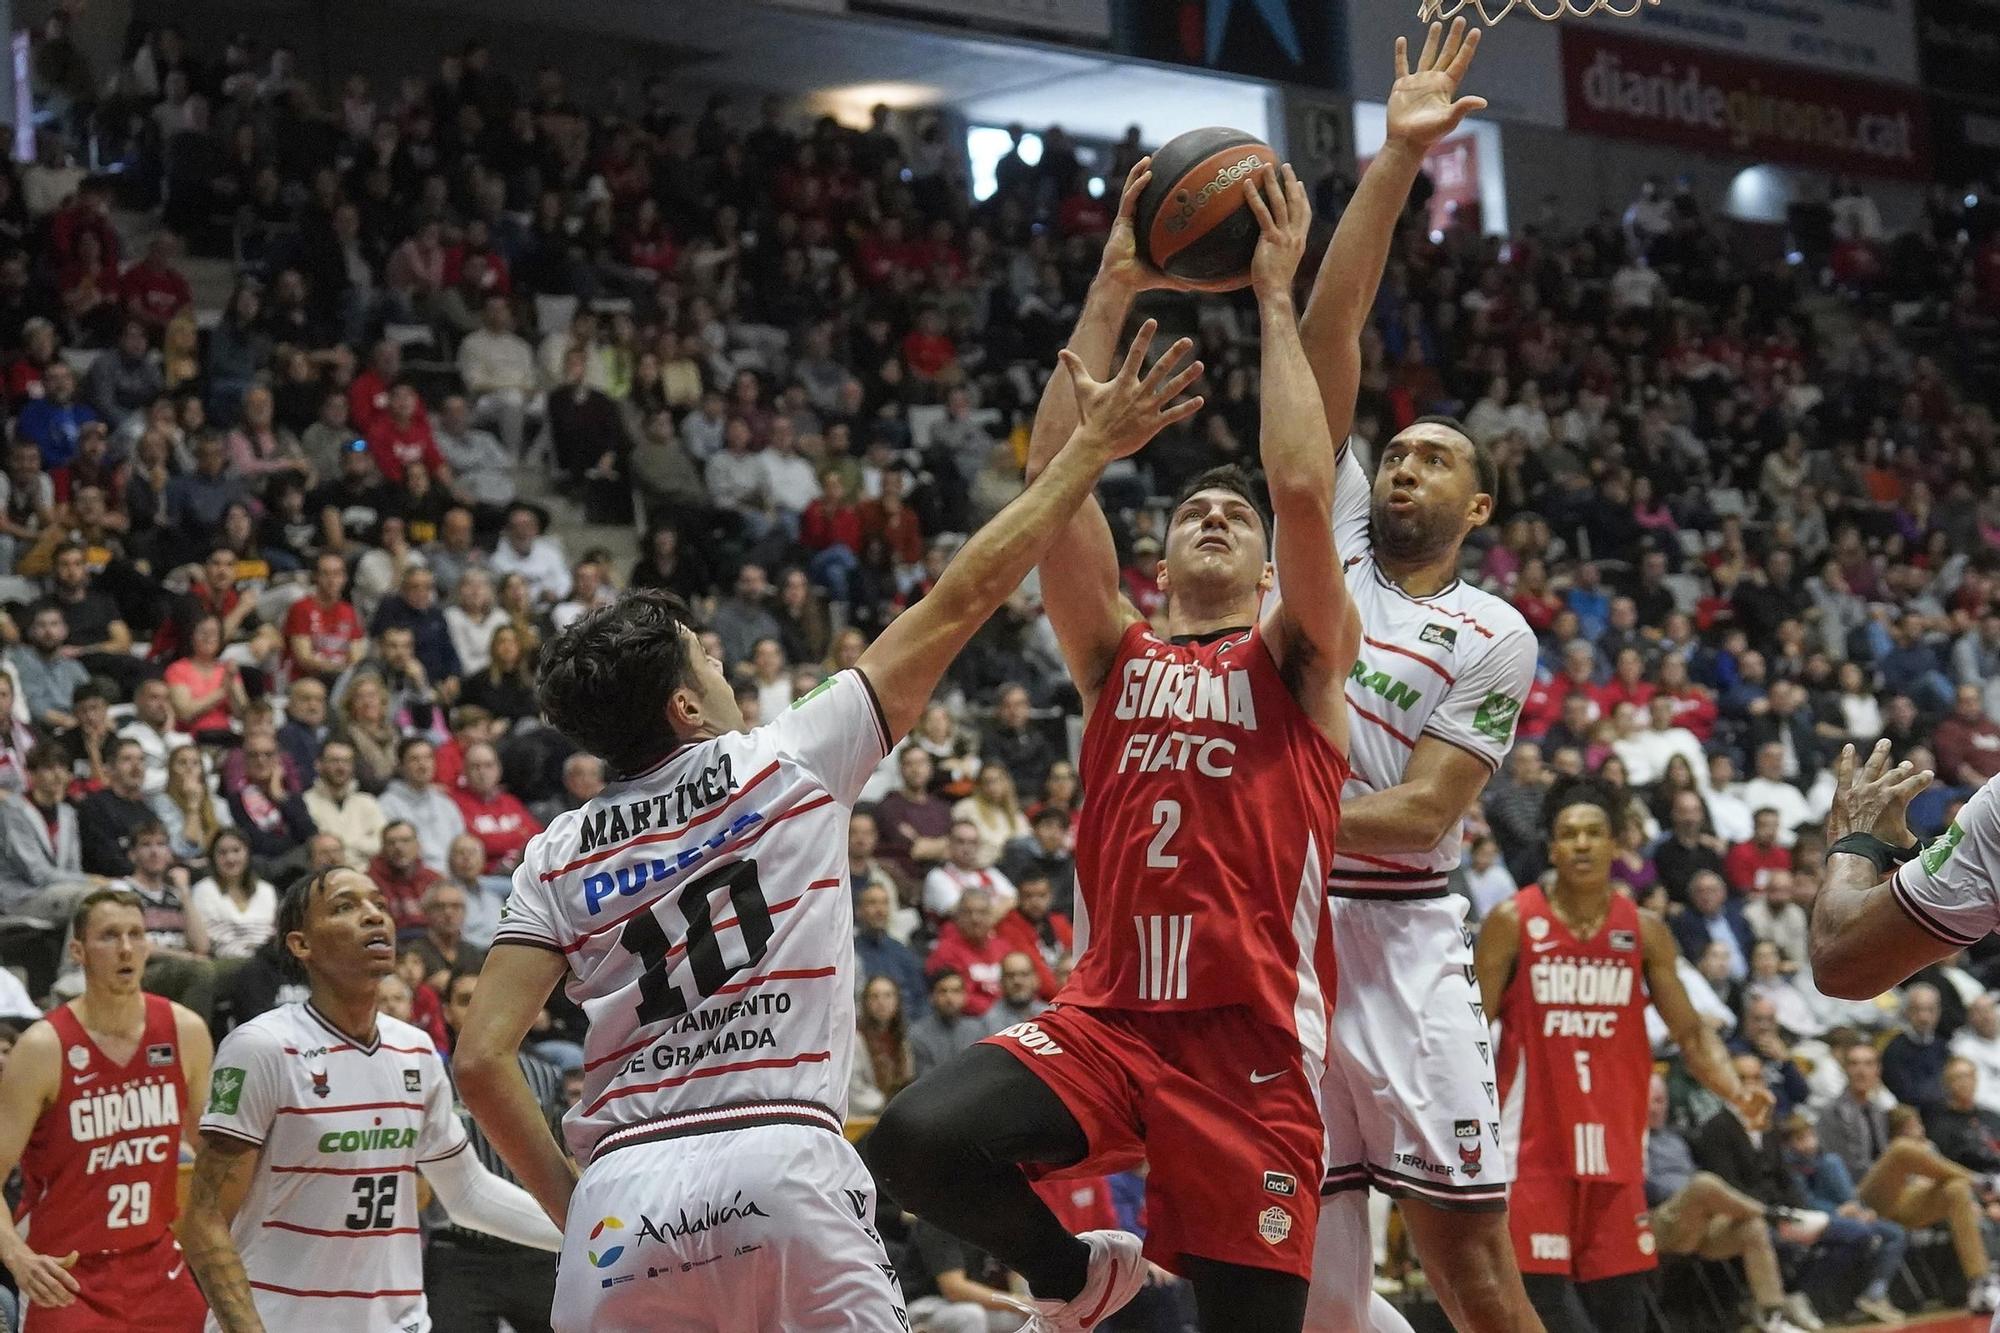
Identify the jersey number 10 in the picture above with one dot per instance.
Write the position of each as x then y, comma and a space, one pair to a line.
659, 997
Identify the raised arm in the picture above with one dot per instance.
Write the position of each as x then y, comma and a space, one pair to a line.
1116, 419
1317, 629
1703, 1052
1421, 111
1864, 941
1080, 590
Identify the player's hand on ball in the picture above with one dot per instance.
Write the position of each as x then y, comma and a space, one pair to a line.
1876, 799
1421, 106
45, 1280
1123, 413
1284, 216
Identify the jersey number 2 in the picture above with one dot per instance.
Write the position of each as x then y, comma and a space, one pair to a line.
659, 997
1167, 814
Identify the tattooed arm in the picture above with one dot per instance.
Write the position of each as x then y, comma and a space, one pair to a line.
222, 1168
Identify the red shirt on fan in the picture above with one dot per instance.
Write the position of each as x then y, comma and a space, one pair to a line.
330, 629
397, 446
979, 964
1748, 866
154, 294
500, 822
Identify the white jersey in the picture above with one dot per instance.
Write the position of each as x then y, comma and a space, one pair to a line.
1456, 665
1953, 889
704, 910
328, 1231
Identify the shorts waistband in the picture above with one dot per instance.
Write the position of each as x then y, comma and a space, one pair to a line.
718, 1120
1389, 895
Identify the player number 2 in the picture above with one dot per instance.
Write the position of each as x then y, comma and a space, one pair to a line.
374, 1203
131, 1204
659, 997
1167, 814
1583, 1071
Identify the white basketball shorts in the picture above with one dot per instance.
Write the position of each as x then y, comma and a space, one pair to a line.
757, 1230
1409, 1090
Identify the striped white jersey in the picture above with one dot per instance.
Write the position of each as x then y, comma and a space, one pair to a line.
1456, 665
328, 1231
1952, 891
704, 911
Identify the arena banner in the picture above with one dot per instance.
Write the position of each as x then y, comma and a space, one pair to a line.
1075, 20
1873, 38
1960, 43
1631, 89
1285, 41
1966, 140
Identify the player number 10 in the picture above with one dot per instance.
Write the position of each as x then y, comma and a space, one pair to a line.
131, 1205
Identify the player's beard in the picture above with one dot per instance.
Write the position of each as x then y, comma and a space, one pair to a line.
1414, 536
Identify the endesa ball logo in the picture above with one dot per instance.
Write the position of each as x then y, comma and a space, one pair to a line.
611, 1252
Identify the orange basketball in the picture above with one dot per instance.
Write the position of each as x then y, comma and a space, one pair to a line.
1192, 220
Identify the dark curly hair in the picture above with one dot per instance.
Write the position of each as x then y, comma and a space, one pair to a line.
1582, 791
605, 681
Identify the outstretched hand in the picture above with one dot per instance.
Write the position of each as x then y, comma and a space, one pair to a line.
1876, 799
1421, 106
1120, 262
1130, 408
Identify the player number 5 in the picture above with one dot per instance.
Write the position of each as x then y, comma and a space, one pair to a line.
1583, 1071
1167, 814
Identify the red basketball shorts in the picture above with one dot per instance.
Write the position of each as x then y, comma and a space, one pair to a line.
1586, 1232
1220, 1104
149, 1288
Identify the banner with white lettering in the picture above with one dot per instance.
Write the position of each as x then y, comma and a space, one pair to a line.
1873, 38
1088, 20
1627, 88
1960, 41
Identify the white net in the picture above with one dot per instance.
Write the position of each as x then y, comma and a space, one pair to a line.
1492, 11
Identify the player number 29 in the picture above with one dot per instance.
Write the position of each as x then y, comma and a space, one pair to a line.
1167, 815
131, 1204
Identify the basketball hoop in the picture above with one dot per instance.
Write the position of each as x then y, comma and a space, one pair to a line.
1492, 11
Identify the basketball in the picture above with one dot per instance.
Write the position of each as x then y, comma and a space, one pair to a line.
1192, 220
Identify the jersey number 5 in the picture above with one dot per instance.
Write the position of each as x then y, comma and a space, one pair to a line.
659, 997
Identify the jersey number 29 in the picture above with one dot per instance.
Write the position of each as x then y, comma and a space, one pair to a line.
659, 997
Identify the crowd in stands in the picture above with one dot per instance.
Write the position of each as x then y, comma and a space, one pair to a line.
276, 573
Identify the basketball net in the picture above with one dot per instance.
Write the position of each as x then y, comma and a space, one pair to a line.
1492, 11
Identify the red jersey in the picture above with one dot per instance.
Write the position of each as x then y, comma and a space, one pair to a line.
329, 628
1575, 1066
1207, 830
500, 822
101, 1167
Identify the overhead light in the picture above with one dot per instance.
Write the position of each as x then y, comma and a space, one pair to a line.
852, 104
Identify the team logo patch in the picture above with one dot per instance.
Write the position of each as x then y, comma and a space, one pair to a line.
1940, 851
1468, 1158
1277, 1182
160, 1055
413, 1081
609, 1255
1444, 636
1496, 716
320, 1089
1538, 928
816, 691
225, 1090
1625, 940
1465, 1129
79, 1059
1274, 1224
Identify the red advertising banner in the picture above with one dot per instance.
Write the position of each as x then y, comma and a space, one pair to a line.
1634, 89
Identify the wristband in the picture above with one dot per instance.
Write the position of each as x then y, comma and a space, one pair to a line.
1885, 855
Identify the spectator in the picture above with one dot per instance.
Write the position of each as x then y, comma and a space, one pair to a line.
945, 1028
583, 780
48, 675
1044, 854
994, 810
152, 726
416, 798
1968, 742
1769, 789
107, 820
865, 872
1020, 991
265, 807
523, 550
238, 909
1824, 1181
1014, 741
442, 945
305, 730
493, 814
963, 869
1487, 881
323, 631
369, 728
482, 468
1978, 1043
400, 871
191, 814
1043, 934
1712, 918
54, 421
1913, 1061
178, 965
207, 692
1750, 865
879, 954
1962, 1131
413, 609
339, 807
744, 617
41, 849
498, 369
967, 945
472, 619
885, 1064
1776, 915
